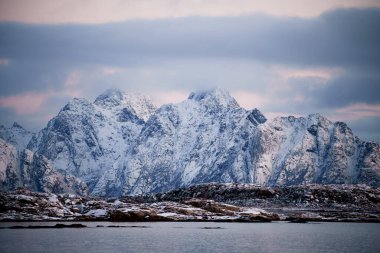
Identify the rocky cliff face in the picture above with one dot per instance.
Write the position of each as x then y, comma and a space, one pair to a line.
120, 144
16, 135
9, 176
33, 171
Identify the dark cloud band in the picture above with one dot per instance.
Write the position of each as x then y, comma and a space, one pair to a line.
40, 57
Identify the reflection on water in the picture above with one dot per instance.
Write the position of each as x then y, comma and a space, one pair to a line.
193, 237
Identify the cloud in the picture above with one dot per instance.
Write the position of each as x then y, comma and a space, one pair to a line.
321, 73
357, 111
72, 84
249, 100
366, 128
22, 75
282, 65
4, 61
104, 11
27, 103
334, 39
37, 120
174, 96
46, 54
348, 88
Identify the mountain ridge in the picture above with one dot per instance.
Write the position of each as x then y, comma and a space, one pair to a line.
120, 144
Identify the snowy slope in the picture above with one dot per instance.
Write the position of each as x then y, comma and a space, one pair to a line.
88, 140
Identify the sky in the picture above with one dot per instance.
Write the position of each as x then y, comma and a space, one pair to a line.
283, 57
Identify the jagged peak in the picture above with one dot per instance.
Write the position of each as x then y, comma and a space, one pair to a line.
110, 97
76, 103
343, 127
17, 125
137, 103
219, 96
318, 120
317, 117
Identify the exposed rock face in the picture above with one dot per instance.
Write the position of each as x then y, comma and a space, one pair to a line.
16, 135
38, 174
33, 171
9, 166
120, 145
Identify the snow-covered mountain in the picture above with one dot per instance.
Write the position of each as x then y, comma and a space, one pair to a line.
209, 138
90, 140
314, 150
122, 144
206, 138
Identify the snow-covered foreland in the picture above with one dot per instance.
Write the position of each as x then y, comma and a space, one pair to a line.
120, 144
24, 205
207, 202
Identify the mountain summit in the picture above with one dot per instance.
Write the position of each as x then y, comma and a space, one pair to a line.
217, 97
121, 144
136, 103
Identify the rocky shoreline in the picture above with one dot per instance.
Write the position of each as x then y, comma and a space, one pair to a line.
208, 202
351, 203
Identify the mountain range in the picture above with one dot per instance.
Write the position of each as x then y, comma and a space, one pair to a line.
121, 144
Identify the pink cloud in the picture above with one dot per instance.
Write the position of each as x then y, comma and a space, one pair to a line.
72, 79
102, 11
27, 103
72, 84
31, 102
4, 61
321, 73
356, 111
112, 70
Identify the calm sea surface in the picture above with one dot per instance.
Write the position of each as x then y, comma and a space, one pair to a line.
194, 237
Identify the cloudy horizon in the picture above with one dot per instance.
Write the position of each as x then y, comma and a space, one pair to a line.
304, 58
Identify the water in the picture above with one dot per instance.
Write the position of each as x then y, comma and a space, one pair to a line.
193, 237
